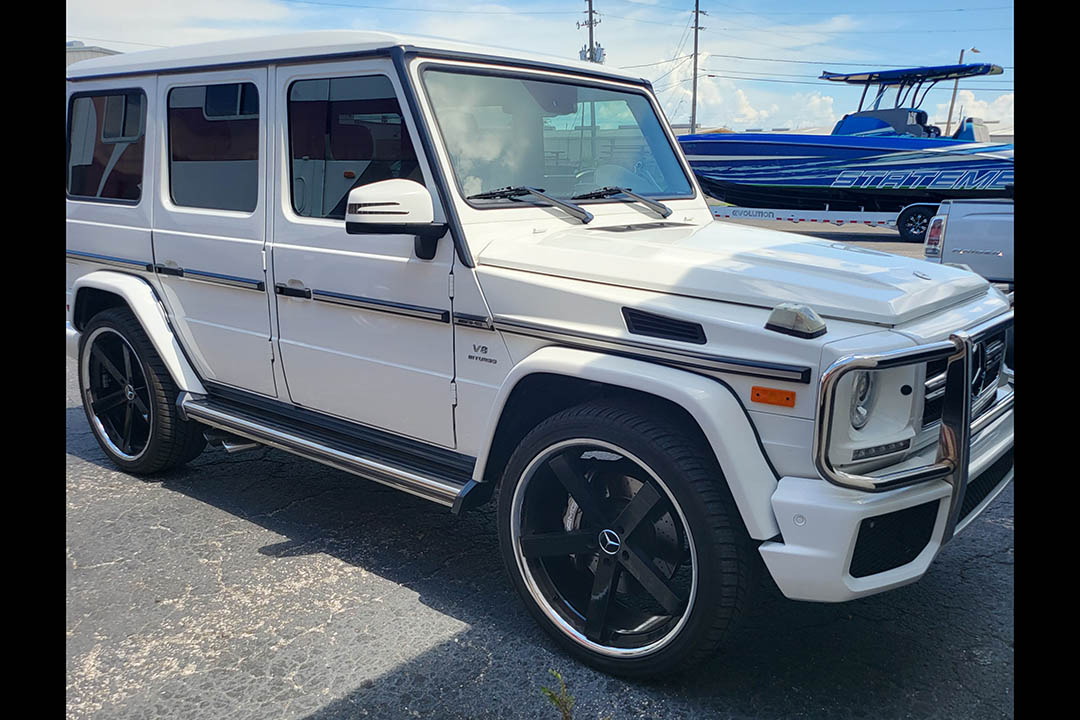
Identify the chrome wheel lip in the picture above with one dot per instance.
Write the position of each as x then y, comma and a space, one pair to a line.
531, 583
95, 422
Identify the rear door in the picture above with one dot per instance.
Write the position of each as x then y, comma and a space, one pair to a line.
110, 184
210, 223
365, 329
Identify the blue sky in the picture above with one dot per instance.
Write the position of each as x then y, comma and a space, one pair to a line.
760, 59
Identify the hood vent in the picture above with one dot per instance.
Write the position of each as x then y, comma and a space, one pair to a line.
639, 322
641, 226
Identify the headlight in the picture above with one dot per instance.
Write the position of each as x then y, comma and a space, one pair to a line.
862, 398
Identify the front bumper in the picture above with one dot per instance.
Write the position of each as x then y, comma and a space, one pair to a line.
820, 523
72, 341
862, 534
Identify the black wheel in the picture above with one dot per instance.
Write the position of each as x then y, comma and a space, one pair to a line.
619, 534
130, 398
912, 222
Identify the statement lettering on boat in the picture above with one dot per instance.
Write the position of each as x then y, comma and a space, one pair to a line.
937, 180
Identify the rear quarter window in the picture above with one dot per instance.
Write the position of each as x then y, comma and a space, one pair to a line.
106, 145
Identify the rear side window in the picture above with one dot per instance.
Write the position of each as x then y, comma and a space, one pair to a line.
344, 133
106, 138
214, 146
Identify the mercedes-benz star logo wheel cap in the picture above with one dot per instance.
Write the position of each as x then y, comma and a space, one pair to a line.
609, 542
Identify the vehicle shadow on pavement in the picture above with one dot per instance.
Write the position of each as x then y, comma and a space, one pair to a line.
917, 651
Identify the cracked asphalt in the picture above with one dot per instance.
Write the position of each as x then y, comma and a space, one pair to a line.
260, 585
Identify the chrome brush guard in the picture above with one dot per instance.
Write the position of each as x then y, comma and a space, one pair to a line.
957, 428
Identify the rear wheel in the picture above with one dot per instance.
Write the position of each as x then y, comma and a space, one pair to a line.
622, 540
130, 398
912, 222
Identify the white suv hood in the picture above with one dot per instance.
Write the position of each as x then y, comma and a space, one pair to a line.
746, 265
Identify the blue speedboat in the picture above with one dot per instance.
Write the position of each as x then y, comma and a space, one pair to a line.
879, 159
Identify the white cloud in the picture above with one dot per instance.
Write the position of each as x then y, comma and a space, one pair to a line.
1000, 108
167, 23
728, 101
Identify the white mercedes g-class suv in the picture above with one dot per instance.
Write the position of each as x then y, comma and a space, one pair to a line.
467, 272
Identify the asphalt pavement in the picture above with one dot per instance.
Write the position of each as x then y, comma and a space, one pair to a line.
259, 585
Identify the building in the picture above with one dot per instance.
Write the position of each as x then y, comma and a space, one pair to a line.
77, 51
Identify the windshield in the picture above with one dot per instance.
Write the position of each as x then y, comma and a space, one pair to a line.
566, 139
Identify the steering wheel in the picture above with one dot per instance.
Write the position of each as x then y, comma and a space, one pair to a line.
636, 179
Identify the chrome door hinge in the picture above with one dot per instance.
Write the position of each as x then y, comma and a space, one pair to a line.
451, 289
453, 394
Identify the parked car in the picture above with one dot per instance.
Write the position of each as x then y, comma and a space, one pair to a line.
470, 274
977, 235
974, 233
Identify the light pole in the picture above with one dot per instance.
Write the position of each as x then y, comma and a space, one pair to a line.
956, 84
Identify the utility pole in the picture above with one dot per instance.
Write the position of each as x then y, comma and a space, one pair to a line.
693, 101
955, 85
589, 53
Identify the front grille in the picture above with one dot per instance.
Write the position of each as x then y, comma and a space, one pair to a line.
989, 357
982, 486
894, 539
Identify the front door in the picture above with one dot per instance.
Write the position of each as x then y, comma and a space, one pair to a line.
210, 223
363, 324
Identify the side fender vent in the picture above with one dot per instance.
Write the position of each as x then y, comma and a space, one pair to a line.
639, 322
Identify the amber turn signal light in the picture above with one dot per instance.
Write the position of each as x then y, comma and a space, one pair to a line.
772, 396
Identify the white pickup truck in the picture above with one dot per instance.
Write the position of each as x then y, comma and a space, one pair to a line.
975, 233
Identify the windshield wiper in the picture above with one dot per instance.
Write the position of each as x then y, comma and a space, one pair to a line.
512, 192
604, 192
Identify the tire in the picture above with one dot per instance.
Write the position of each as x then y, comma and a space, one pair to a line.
130, 398
654, 505
913, 221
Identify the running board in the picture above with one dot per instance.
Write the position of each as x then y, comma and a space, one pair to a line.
309, 443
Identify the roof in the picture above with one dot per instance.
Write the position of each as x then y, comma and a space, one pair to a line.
303, 45
77, 53
911, 76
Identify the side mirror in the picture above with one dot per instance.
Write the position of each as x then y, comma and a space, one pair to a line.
396, 206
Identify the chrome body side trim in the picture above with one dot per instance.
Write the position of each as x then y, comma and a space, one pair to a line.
108, 260
480, 322
423, 486
656, 353
416, 311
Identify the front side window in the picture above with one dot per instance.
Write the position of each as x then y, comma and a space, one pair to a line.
564, 138
214, 146
343, 133
106, 138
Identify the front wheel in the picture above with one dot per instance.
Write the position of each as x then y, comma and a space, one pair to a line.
620, 536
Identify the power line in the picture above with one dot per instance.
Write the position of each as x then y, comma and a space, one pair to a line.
392, 8
819, 62
123, 42
818, 85
861, 12
873, 32
797, 75
673, 69
867, 12
658, 62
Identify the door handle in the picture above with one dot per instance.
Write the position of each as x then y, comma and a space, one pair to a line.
166, 270
282, 289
